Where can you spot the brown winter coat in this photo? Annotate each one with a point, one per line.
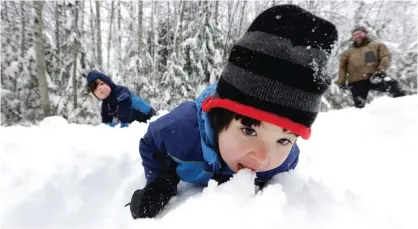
(359, 63)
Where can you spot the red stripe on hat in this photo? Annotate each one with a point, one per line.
(257, 114)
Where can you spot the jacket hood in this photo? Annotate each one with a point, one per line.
(206, 132)
(94, 75)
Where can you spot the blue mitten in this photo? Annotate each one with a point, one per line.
(123, 125)
(112, 124)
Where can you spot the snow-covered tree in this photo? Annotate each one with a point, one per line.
(166, 52)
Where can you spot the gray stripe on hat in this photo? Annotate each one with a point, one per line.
(270, 90)
(283, 48)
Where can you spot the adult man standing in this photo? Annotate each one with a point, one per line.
(363, 68)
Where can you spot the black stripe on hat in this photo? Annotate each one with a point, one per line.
(225, 90)
(270, 90)
(283, 70)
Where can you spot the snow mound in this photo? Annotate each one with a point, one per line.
(357, 171)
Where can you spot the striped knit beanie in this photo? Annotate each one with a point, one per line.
(276, 71)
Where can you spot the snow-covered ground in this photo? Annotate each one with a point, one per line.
(359, 170)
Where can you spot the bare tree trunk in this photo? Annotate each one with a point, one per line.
(23, 29)
(358, 13)
(110, 34)
(99, 36)
(131, 13)
(140, 6)
(81, 36)
(93, 33)
(242, 15)
(40, 59)
(216, 11)
(404, 23)
(119, 45)
(231, 15)
(167, 37)
(153, 39)
(180, 32)
(4, 15)
(179, 28)
(82, 17)
(76, 50)
(310, 5)
(57, 32)
(139, 41)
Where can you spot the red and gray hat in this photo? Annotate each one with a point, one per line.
(276, 71)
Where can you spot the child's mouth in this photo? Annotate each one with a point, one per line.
(241, 166)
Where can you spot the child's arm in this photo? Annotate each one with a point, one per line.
(125, 106)
(155, 158)
(160, 172)
(106, 118)
(141, 105)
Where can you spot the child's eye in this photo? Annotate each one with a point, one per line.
(284, 141)
(249, 131)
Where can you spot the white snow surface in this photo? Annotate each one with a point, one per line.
(358, 170)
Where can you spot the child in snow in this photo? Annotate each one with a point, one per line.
(267, 96)
(119, 104)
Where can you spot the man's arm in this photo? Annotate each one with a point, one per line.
(342, 74)
(383, 56)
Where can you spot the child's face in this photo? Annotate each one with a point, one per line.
(259, 148)
(102, 90)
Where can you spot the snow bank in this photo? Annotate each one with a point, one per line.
(357, 171)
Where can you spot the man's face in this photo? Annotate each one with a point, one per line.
(259, 148)
(102, 90)
(358, 35)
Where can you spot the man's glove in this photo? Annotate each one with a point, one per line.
(112, 124)
(148, 202)
(343, 86)
(379, 77)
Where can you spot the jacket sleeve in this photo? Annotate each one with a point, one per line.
(140, 104)
(106, 118)
(155, 159)
(125, 106)
(342, 74)
(384, 57)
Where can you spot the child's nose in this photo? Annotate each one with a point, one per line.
(260, 153)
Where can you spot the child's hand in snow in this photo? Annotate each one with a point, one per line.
(148, 202)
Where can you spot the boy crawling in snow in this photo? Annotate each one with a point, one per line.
(119, 104)
(267, 96)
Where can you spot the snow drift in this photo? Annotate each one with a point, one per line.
(357, 171)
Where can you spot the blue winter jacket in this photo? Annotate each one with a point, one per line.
(121, 103)
(182, 141)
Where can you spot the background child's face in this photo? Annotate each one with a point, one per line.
(102, 90)
(259, 148)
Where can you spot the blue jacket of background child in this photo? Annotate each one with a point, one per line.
(121, 103)
(183, 141)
